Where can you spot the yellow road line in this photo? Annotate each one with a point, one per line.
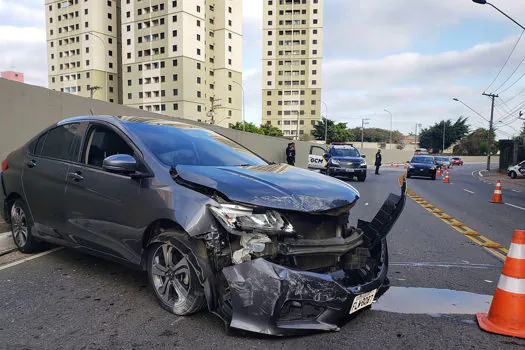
(490, 246)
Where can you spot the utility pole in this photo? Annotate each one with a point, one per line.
(444, 124)
(386, 110)
(491, 122)
(364, 122)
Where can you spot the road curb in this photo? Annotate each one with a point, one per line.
(6, 243)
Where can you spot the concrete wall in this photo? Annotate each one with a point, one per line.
(25, 110)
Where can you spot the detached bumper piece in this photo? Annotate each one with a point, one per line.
(264, 297)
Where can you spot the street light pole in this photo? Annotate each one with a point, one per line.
(326, 123)
(484, 2)
(364, 122)
(491, 128)
(243, 109)
(386, 110)
(107, 61)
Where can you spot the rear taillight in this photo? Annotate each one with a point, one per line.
(4, 165)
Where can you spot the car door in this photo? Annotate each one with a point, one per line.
(104, 207)
(521, 169)
(44, 177)
(316, 159)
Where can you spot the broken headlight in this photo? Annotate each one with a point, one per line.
(238, 218)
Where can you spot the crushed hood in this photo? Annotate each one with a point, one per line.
(278, 186)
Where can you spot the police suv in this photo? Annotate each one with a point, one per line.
(516, 170)
(340, 159)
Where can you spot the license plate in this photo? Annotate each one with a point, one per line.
(421, 169)
(349, 170)
(363, 300)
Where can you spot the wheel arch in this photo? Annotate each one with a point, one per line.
(8, 202)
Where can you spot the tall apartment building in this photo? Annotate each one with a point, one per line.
(83, 50)
(292, 54)
(183, 58)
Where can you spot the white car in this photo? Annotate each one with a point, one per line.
(516, 170)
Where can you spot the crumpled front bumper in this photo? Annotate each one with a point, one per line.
(267, 298)
(272, 299)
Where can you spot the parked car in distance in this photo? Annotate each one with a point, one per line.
(424, 166)
(421, 151)
(442, 161)
(266, 247)
(517, 170)
(457, 161)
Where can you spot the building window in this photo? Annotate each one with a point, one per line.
(174, 48)
(314, 82)
(315, 21)
(175, 92)
(198, 52)
(174, 4)
(109, 15)
(230, 61)
(88, 75)
(198, 108)
(198, 37)
(230, 22)
(175, 77)
(110, 53)
(175, 106)
(110, 28)
(128, 14)
(163, 108)
(129, 82)
(198, 23)
(174, 63)
(314, 61)
(129, 95)
(129, 69)
(198, 9)
(87, 62)
(229, 48)
(198, 80)
(198, 94)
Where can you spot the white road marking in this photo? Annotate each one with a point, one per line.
(480, 174)
(488, 281)
(517, 191)
(18, 262)
(468, 191)
(515, 206)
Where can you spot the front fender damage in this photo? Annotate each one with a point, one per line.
(264, 297)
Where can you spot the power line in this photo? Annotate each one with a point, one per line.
(515, 110)
(506, 61)
(514, 83)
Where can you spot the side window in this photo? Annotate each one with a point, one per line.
(37, 149)
(103, 142)
(63, 142)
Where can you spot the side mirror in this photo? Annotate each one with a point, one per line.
(120, 163)
(363, 155)
(408, 161)
(326, 155)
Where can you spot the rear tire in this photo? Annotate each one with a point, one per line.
(361, 178)
(513, 175)
(174, 280)
(433, 177)
(21, 226)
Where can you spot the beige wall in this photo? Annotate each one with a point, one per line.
(26, 110)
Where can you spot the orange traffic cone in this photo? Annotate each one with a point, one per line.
(439, 172)
(397, 165)
(446, 180)
(496, 197)
(391, 164)
(506, 315)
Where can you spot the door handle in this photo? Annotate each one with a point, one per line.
(31, 163)
(76, 176)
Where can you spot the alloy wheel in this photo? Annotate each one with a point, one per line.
(19, 225)
(171, 275)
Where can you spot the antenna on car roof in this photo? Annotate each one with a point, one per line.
(91, 111)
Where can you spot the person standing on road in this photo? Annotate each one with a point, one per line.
(378, 161)
(290, 154)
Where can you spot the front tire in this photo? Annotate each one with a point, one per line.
(361, 178)
(434, 177)
(513, 175)
(174, 280)
(21, 226)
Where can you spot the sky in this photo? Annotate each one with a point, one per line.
(410, 57)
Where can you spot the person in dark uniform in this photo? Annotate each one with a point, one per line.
(290, 154)
(378, 161)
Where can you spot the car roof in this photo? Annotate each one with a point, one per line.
(121, 120)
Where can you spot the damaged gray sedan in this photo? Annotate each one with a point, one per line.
(266, 247)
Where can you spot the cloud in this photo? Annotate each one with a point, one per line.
(22, 12)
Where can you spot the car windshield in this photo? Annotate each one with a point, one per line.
(345, 152)
(426, 160)
(180, 144)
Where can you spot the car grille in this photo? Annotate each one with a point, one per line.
(349, 164)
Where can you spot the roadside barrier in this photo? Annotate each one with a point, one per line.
(506, 314)
(447, 179)
(497, 197)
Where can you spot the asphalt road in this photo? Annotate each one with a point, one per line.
(467, 199)
(67, 300)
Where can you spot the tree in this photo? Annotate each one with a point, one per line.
(476, 144)
(432, 137)
(336, 132)
(270, 130)
(378, 135)
(249, 127)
